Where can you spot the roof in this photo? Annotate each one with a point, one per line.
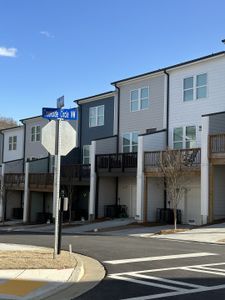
(10, 128)
(171, 67)
(22, 120)
(94, 97)
(213, 114)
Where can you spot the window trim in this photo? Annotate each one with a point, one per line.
(84, 156)
(195, 87)
(184, 128)
(96, 115)
(12, 145)
(139, 99)
(130, 140)
(35, 134)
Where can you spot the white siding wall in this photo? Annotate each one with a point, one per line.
(155, 197)
(13, 201)
(127, 194)
(143, 119)
(219, 192)
(34, 149)
(9, 155)
(189, 113)
(155, 142)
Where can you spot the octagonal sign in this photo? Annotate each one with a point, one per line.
(68, 137)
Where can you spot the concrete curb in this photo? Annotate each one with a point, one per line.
(88, 273)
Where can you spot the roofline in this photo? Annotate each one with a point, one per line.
(154, 132)
(22, 120)
(14, 127)
(170, 67)
(213, 114)
(93, 96)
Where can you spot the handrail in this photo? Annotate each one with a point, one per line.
(217, 143)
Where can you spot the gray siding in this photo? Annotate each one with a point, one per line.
(91, 133)
(39, 166)
(1, 147)
(143, 119)
(14, 166)
(155, 142)
(106, 146)
(217, 124)
(219, 188)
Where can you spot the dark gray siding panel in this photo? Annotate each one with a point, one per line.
(89, 134)
(217, 124)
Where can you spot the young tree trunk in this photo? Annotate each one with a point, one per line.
(175, 218)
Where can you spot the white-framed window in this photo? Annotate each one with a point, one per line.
(184, 137)
(35, 133)
(130, 142)
(12, 142)
(86, 154)
(139, 99)
(96, 116)
(195, 87)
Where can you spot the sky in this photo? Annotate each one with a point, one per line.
(76, 48)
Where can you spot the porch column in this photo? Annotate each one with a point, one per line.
(26, 194)
(140, 181)
(204, 170)
(2, 193)
(91, 208)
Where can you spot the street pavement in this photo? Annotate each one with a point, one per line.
(141, 268)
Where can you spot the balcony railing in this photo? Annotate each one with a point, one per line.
(120, 161)
(14, 179)
(217, 143)
(41, 179)
(188, 158)
(77, 171)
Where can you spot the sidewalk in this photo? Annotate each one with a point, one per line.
(207, 234)
(49, 284)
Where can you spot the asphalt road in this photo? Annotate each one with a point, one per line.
(139, 268)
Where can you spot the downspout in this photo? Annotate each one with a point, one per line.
(167, 128)
(117, 143)
(24, 144)
(80, 128)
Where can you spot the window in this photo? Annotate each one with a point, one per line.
(35, 133)
(184, 137)
(130, 142)
(139, 99)
(195, 87)
(96, 116)
(178, 138)
(86, 154)
(12, 142)
(190, 138)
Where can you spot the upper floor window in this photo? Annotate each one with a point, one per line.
(96, 116)
(86, 154)
(184, 137)
(139, 99)
(130, 142)
(35, 133)
(195, 87)
(12, 142)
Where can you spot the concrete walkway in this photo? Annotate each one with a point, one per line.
(208, 234)
(49, 284)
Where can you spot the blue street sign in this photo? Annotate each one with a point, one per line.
(57, 113)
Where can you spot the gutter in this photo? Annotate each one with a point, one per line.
(167, 106)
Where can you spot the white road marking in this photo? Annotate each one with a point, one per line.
(168, 281)
(203, 271)
(158, 285)
(212, 269)
(154, 258)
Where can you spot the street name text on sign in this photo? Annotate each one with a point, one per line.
(59, 113)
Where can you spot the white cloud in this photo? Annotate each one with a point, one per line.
(8, 52)
(47, 34)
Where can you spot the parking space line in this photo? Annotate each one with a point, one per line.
(155, 258)
(202, 271)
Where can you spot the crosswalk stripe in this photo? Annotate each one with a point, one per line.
(154, 258)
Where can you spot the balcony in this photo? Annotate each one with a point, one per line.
(190, 160)
(116, 163)
(74, 174)
(14, 181)
(217, 146)
(41, 182)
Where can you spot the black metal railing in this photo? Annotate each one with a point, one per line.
(76, 171)
(41, 179)
(116, 161)
(188, 157)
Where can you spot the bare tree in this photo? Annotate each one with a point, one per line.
(171, 164)
(7, 122)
